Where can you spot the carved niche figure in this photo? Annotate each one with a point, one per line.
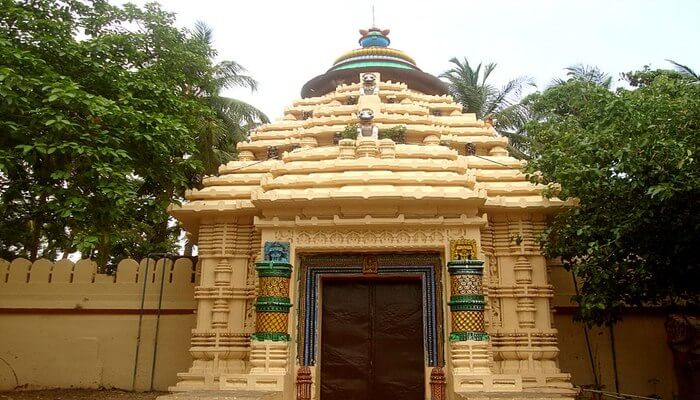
(369, 85)
(462, 249)
(276, 251)
(366, 129)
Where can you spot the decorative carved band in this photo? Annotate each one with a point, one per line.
(367, 238)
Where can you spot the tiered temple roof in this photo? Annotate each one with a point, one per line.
(449, 159)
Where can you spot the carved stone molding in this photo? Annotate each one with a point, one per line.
(365, 238)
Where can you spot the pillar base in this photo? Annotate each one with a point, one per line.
(470, 357)
(230, 383)
(268, 383)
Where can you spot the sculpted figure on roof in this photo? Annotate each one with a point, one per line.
(369, 85)
(366, 128)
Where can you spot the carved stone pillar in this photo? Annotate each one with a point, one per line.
(272, 307)
(471, 357)
(270, 341)
(467, 300)
(523, 340)
(220, 343)
(468, 339)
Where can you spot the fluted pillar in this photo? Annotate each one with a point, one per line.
(220, 343)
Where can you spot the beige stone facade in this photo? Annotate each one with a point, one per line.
(451, 179)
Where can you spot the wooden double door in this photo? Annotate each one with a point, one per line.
(372, 340)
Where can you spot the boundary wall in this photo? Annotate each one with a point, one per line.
(64, 325)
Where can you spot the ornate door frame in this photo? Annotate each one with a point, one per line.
(425, 266)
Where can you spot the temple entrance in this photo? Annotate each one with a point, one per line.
(372, 344)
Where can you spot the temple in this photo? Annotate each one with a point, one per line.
(376, 242)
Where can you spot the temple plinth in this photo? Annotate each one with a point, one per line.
(375, 239)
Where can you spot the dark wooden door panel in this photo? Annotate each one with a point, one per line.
(398, 341)
(345, 330)
(372, 340)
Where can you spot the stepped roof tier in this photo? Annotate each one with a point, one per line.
(300, 166)
(374, 55)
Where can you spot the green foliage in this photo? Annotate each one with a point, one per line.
(469, 87)
(631, 158)
(349, 132)
(395, 133)
(103, 112)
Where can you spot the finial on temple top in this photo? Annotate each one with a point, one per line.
(374, 37)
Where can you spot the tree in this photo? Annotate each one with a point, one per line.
(101, 112)
(631, 158)
(469, 87)
(587, 73)
(217, 144)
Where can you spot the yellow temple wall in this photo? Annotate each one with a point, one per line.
(63, 325)
(80, 330)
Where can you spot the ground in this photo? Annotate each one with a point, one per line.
(77, 394)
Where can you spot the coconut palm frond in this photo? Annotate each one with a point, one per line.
(231, 74)
(469, 87)
(237, 112)
(488, 69)
(217, 137)
(203, 32)
(589, 73)
(685, 70)
(508, 95)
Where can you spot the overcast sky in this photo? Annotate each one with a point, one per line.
(286, 43)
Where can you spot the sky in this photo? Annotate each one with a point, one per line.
(283, 44)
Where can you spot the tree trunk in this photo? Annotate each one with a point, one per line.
(37, 225)
(189, 248)
(102, 252)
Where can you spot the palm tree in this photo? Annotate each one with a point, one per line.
(217, 137)
(469, 87)
(685, 70)
(235, 118)
(586, 73)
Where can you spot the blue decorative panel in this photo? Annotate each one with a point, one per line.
(276, 251)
